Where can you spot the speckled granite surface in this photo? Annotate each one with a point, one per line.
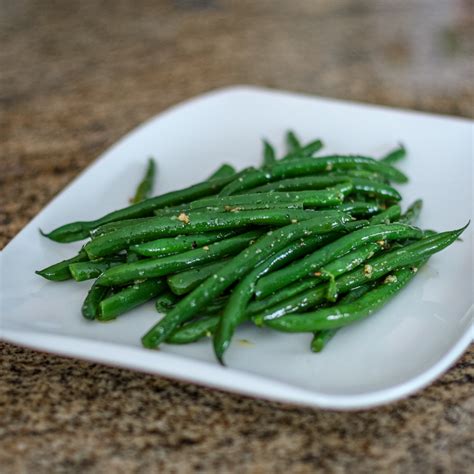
(74, 77)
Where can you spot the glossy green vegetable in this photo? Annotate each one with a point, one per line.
(191, 223)
(111, 226)
(412, 213)
(304, 166)
(165, 302)
(308, 150)
(81, 229)
(194, 330)
(90, 307)
(180, 243)
(157, 267)
(341, 315)
(268, 154)
(82, 271)
(224, 171)
(311, 293)
(319, 198)
(395, 155)
(359, 209)
(322, 337)
(145, 188)
(391, 214)
(60, 271)
(239, 266)
(184, 282)
(340, 247)
(292, 141)
(129, 298)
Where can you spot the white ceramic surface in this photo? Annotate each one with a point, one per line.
(388, 356)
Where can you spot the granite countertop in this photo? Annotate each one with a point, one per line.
(75, 77)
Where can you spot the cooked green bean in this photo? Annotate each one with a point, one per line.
(181, 243)
(268, 154)
(81, 229)
(359, 209)
(191, 223)
(412, 213)
(304, 166)
(145, 188)
(60, 271)
(235, 310)
(157, 267)
(308, 150)
(395, 155)
(194, 330)
(292, 141)
(224, 171)
(391, 214)
(184, 282)
(341, 315)
(129, 298)
(239, 266)
(373, 270)
(111, 226)
(165, 302)
(322, 337)
(340, 247)
(82, 271)
(90, 307)
(326, 197)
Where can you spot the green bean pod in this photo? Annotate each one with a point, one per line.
(268, 154)
(60, 271)
(194, 330)
(340, 315)
(90, 306)
(184, 282)
(304, 166)
(238, 267)
(181, 243)
(373, 270)
(165, 302)
(82, 271)
(191, 223)
(224, 171)
(145, 188)
(82, 229)
(395, 155)
(412, 213)
(129, 298)
(340, 247)
(292, 141)
(157, 267)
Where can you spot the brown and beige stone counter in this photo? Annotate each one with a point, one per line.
(74, 77)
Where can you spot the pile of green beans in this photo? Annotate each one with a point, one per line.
(301, 243)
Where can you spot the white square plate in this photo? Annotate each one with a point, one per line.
(390, 355)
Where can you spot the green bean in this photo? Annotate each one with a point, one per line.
(224, 171)
(165, 302)
(194, 330)
(308, 150)
(145, 188)
(340, 247)
(184, 282)
(327, 197)
(302, 183)
(191, 223)
(322, 337)
(129, 298)
(252, 178)
(235, 310)
(81, 229)
(292, 141)
(375, 269)
(157, 267)
(111, 226)
(239, 266)
(341, 315)
(180, 243)
(389, 215)
(90, 307)
(395, 155)
(60, 271)
(82, 271)
(412, 213)
(359, 209)
(268, 154)
(360, 173)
